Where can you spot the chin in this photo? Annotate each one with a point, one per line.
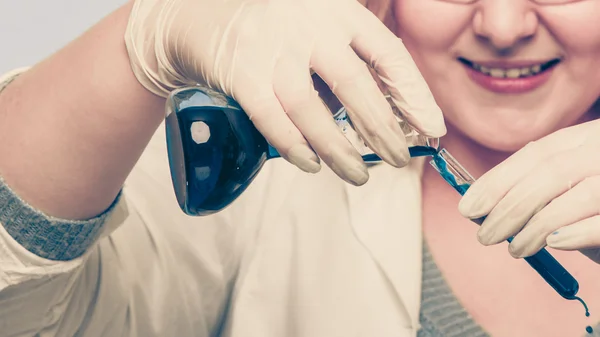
(494, 137)
(501, 144)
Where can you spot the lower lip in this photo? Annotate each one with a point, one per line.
(510, 85)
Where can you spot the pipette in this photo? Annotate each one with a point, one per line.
(543, 262)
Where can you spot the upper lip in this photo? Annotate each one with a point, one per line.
(503, 64)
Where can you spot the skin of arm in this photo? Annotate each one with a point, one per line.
(73, 126)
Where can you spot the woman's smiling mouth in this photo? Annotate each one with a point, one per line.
(509, 77)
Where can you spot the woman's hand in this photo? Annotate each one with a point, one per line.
(262, 53)
(548, 193)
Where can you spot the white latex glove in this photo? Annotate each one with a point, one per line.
(548, 193)
(261, 54)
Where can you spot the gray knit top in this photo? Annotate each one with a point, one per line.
(441, 313)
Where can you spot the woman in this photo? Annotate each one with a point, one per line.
(300, 254)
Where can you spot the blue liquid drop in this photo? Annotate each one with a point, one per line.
(589, 329)
(587, 311)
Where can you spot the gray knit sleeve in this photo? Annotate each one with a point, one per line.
(43, 235)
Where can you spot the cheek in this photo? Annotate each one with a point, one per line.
(577, 29)
(575, 26)
(430, 29)
(430, 25)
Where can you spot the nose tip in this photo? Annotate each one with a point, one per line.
(504, 24)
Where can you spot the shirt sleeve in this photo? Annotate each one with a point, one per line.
(141, 269)
(42, 235)
(46, 264)
(46, 236)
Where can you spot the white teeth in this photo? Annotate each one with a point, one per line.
(508, 73)
(513, 73)
(497, 73)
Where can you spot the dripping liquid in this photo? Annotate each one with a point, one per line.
(588, 328)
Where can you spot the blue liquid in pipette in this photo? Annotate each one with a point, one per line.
(414, 151)
(540, 261)
(448, 176)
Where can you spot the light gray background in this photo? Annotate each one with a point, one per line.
(30, 30)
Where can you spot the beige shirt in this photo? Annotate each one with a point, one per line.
(298, 255)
